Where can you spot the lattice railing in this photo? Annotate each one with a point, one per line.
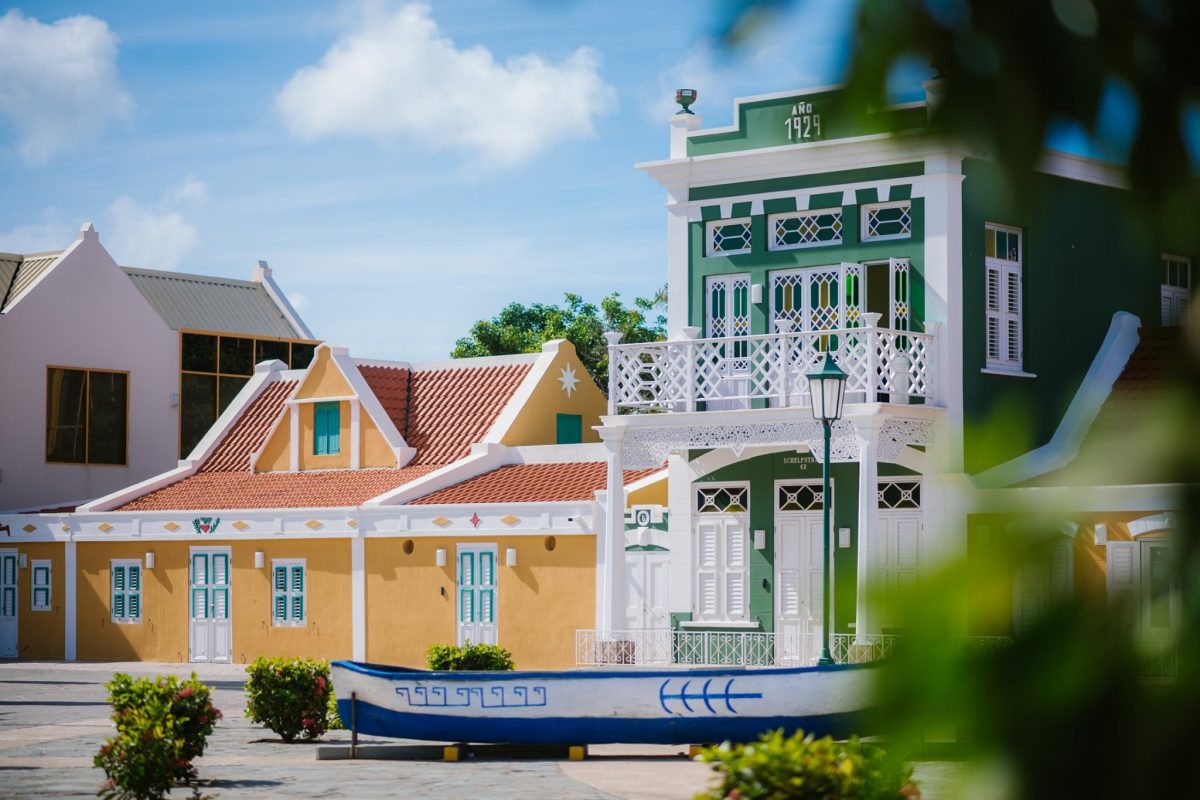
(684, 648)
(883, 365)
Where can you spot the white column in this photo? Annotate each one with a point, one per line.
(679, 533)
(612, 612)
(942, 190)
(677, 231)
(69, 611)
(867, 432)
(358, 597)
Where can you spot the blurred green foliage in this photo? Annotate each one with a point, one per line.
(469, 657)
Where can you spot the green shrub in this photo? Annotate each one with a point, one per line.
(289, 696)
(804, 768)
(470, 657)
(162, 724)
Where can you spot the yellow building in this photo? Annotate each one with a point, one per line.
(353, 509)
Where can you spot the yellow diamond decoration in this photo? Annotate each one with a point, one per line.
(314, 524)
(171, 526)
(353, 523)
(241, 526)
(441, 522)
(30, 528)
(510, 519)
(105, 527)
(66, 528)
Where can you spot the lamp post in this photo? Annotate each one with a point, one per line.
(827, 386)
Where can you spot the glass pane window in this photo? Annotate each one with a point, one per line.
(1003, 325)
(722, 499)
(288, 600)
(267, 350)
(728, 237)
(805, 229)
(87, 416)
(1002, 243)
(1177, 272)
(237, 356)
(229, 388)
(302, 354)
(197, 409)
(887, 221)
(199, 353)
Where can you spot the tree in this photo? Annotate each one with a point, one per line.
(520, 328)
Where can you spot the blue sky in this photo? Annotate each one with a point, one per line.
(405, 169)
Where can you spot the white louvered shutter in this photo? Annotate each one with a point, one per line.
(1123, 568)
(1012, 316)
(737, 571)
(280, 603)
(1061, 570)
(297, 593)
(993, 313)
(1027, 595)
(788, 582)
(707, 566)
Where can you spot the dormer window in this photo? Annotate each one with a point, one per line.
(327, 427)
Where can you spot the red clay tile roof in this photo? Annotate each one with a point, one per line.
(238, 490)
(442, 412)
(531, 483)
(390, 385)
(232, 454)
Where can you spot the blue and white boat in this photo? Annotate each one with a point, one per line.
(679, 706)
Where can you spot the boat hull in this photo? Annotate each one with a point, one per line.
(594, 706)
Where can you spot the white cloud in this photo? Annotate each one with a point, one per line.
(51, 233)
(58, 82)
(394, 76)
(158, 236)
(299, 301)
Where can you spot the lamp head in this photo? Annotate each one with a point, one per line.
(685, 97)
(827, 386)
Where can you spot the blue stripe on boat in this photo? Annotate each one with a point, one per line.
(377, 721)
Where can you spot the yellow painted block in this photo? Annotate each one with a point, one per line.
(694, 750)
(240, 525)
(29, 528)
(174, 526)
(104, 526)
(450, 753)
(577, 752)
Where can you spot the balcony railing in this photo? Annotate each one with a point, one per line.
(883, 364)
(683, 648)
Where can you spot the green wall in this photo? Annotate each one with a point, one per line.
(761, 261)
(762, 472)
(1084, 258)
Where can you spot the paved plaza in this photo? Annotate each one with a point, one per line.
(54, 716)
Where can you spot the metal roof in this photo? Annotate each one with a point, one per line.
(17, 273)
(202, 302)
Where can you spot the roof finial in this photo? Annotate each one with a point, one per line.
(685, 97)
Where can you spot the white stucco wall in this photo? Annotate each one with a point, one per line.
(83, 313)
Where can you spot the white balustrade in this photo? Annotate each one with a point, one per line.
(883, 364)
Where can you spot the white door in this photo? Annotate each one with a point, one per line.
(477, 594)
(646, 572)
(8, 603)
(899, 560)
(727, 316)
(799, 587)
(211, 629)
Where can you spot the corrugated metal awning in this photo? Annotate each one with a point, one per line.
(201, 302)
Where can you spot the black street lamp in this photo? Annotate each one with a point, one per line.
(827, 387)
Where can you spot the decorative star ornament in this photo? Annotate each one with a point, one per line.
(568, 380)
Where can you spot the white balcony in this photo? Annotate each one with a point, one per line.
(884, 365)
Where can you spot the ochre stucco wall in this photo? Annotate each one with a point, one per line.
(654, 494)
(326, 633)
(40, 633)
(540, 602)
(375, 450)
(162, 635)
(537, 420)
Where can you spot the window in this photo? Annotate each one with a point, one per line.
(805, 229)
(40, 601)
(568, 429)
(887, 221)
(1002, 260)
(126, 591)
(729, 237)
(214, 370)
(87, 415)
(722, 554)
(327, 428)
(287, 587)
(1176, 289)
